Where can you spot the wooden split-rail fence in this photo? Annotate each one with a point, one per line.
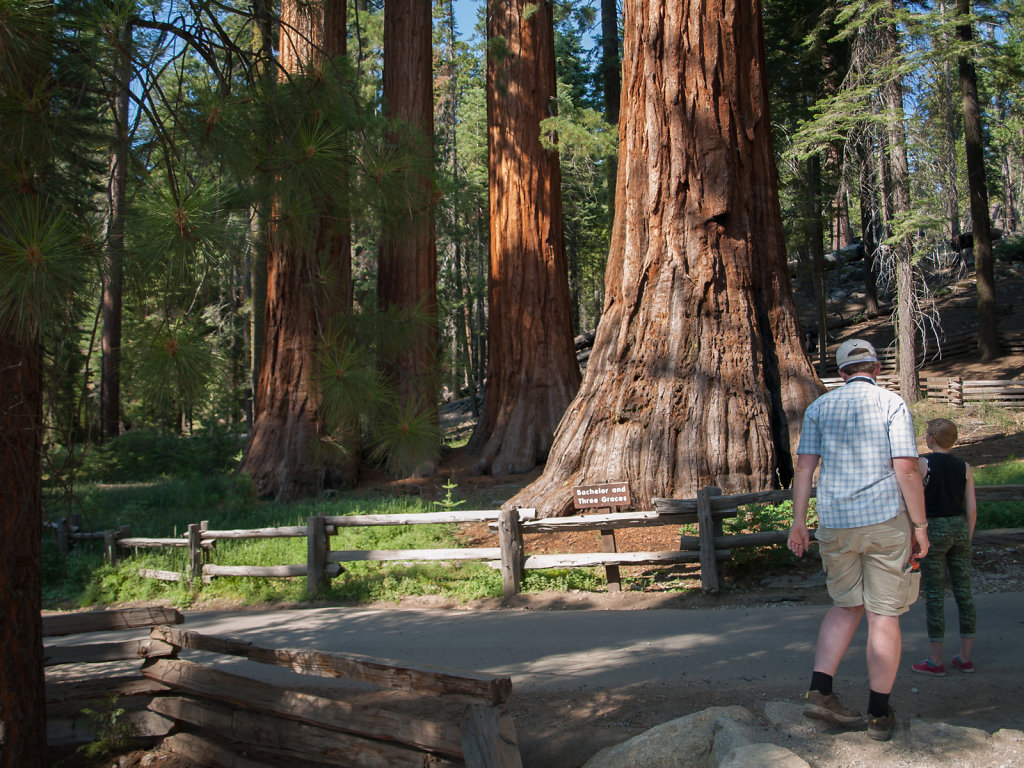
(707, 511)
(192, 706)
(946, 347)
(957, 392)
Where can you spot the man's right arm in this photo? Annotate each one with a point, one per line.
(908, 475)
(803, 478)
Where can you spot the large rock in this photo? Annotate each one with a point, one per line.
(762, 756)
(1008, 737)
(731, 737)
(944, 737)
(728, 735)
(682, 743)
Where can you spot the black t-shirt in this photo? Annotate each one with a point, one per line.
(945, 485)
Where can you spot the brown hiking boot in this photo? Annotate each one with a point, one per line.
(829, 708)
(880, 728)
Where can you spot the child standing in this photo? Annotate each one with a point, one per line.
(952, 513)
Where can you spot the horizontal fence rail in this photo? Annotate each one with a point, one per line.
(708, 512)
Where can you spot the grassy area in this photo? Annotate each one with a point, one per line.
(165, 508)
(179, 481)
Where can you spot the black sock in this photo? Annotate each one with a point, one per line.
(878, 704)
(821, 682)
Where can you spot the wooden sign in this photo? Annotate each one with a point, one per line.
(606, 495)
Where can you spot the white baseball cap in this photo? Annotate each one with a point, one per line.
(855, 351)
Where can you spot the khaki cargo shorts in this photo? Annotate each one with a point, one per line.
(870, 566)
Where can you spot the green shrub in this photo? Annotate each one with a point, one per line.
(111, 728)
(1009, 249)
(144, 455)
(755, 518)
(565, 580)
(1009, 472)
(1000, 514)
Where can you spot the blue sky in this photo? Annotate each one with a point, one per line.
(465, 16)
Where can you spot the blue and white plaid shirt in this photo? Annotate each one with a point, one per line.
(857, 430)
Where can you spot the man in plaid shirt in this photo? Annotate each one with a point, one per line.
(872, 528)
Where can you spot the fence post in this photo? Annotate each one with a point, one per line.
(706, 529)
(316, 555)
(489, 738)
(195, 551)
(110, 546)
(510, 536)
(611, 572)
(955, 389)
(63, 536)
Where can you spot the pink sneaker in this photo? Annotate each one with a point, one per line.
(963, 666)
(927, 668)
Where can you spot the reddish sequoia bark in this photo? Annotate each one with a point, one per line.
(407, 272)
(697, 375)
(22, 701)
(532, 371)
(285, 455)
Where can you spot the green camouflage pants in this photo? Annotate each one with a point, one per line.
(950, 548)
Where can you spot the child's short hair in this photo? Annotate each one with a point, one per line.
(943, 432)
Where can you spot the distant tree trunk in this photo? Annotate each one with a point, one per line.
(256, 293)
(113, 261)
(899, 194)
(974, 142)
(284, 455)
(868, 218)
(842, 233)
(611, 79)
(259, 224)
(1011, 178)
(22, 700)
(407, 273)
(336, 246)
(1010, 164)
(949, 194)
(815, 247)
(463, 339)
(697, 375)
(532, 373)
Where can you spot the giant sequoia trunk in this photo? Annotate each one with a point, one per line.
(22, 702)
(697, 376)
(407, 271)
(285, 455)
(532, 372)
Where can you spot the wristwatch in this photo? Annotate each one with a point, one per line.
(919, 525)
